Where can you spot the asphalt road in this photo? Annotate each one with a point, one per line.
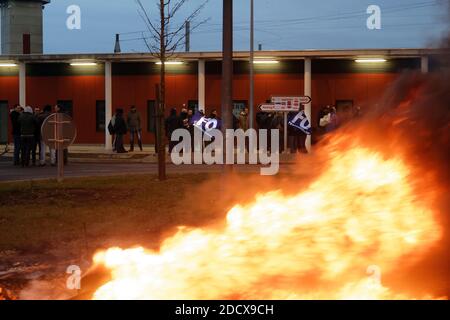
(8, 172)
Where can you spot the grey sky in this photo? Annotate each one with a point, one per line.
(279, 24)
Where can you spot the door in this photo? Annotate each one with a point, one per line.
(4, 114)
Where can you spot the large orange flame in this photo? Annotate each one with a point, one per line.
(360, 214)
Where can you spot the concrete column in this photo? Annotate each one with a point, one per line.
(108, 104)
(308, 93)
(424, 64)
(22, 84)
(201, 85)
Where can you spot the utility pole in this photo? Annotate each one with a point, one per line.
(188, 36)
(252, 53)
(227, 71)
(117, 45)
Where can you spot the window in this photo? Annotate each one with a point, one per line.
(193, 105)
(4, 115)
(344, 109)
(344, 106)
(238, 106)
(100, 115)
(67, 106)
(151, 116)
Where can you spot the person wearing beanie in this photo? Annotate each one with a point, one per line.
(28, 124)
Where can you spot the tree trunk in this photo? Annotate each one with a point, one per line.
(162, 99)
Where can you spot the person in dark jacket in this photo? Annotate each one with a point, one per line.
(278, 123)
(243, 120)
(14, 115)
(184, 114)
(28, 124)
(172, 123)
(134, 125)
(213, 114)
(297, 138)
(40, 120)
(120, 129)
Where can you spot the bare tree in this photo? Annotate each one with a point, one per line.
(163, 42)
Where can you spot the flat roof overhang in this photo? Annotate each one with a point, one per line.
(237, 55)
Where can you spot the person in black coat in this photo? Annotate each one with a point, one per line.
(28, 124)
(172, 123)
(14, 115)
(120, 129)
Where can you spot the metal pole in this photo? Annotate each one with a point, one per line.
(308, 90)
(285, 132)
(201, 85)
(252, 54)
(188, 36)
(227, 69)
(59, 142)
(108, 104)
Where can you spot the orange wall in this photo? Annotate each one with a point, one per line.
(84, 91)
(326, 88)
(266, 85)
(137, 90)
(9, 91)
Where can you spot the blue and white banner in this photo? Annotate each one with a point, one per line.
(299, 121)
(205, 124)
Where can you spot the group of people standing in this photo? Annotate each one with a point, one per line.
(26, 130)
(330, 118)
(119, 126)
(275, 120)
(184, 121)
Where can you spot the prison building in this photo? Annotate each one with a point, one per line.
(91, 86)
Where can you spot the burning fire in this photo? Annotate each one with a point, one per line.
(359, 215)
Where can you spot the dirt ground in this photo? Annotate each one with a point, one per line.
(46, 227)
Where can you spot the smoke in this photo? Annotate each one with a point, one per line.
(411, 120)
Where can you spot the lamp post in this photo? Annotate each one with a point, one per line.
(252, 52)
(227, 70)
